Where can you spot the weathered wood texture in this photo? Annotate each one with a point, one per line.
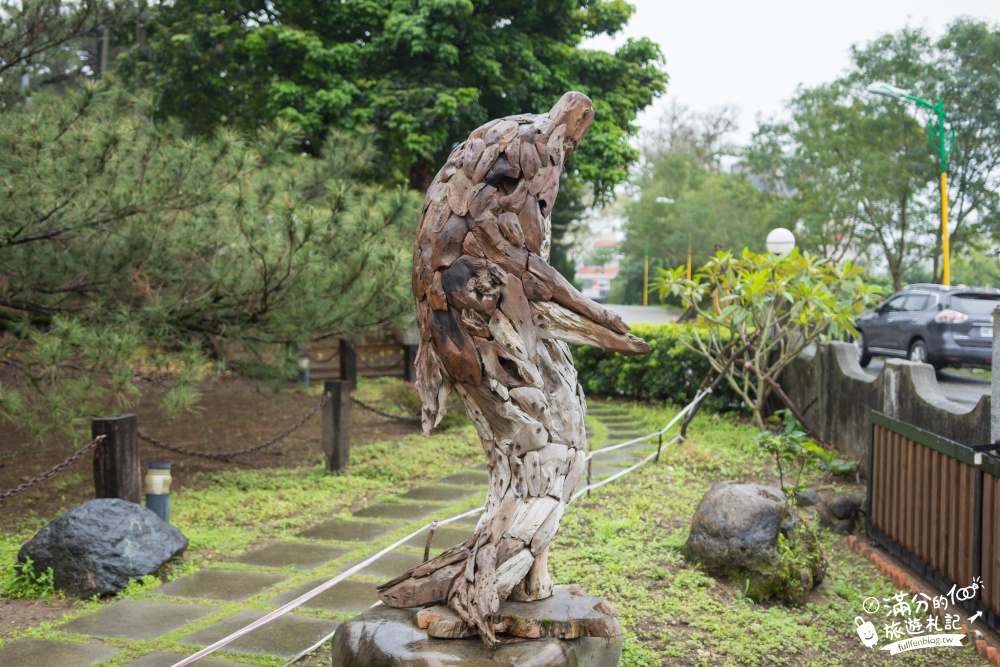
(569, 613)
(494, 319)
(337, 425)
(117, 471)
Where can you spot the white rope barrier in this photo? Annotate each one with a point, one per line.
(305, 597)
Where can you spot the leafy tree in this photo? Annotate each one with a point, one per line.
(46, 43)
(423, 72)
(706, 208)
(976, 266)
(772, 308)
(127, 251)
(864, 176)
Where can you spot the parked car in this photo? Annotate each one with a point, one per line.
(932, 324)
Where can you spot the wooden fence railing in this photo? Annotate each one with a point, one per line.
(935, 504)
(368, 358)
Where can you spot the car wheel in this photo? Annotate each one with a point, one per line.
(918, 352)
(864, 357)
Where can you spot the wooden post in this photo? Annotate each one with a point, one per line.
(348, 362)
(337, 424)
(117, 471)
(410, 363)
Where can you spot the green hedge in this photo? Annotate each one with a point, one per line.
(670, 371)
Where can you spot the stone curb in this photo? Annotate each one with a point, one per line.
(904, 582)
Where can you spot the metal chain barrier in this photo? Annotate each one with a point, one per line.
(249, 450)
(378, 369)
(390, 415)
(383, 413)
(73, 458)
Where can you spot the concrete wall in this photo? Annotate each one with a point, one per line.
(837, 396)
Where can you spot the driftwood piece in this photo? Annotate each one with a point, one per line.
(493, 317)
(569, 613)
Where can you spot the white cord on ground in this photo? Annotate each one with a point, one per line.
(617, 474)
(680, 415)
(305, 597)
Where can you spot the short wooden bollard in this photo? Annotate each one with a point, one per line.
(117, 472)
(348, 362)
(337, 424)
(410, 363)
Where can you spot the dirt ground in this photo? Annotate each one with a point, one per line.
(233, 414)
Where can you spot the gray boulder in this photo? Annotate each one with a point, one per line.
(98, 547)
(807, 498)
(735, 534)
(843, 513)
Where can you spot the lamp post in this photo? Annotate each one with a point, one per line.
(779, 241)
(942, 139)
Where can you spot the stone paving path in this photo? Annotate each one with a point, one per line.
(199, 609)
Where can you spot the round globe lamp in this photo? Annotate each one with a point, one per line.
(779, 241)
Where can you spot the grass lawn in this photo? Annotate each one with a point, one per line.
(622, 542)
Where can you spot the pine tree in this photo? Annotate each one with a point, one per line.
(126, 248)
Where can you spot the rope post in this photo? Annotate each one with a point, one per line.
(117, 472)
(348, 362)
(337, 424)
(410, 363)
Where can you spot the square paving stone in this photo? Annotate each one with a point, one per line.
(440, 494)
(349, 596)
(445, 537)
(137, 619)
(392, 565)
(228, 585)
(348, 531)
(39, 652)
(285, 636)
(302, 556)
(468, 478)
(161, 659)
(397, 511)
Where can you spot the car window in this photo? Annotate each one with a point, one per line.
(896, 302)
(916, 302)
(975, 304)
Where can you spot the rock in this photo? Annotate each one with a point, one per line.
(567, 614)
(842, 513)
(735, 534)
(98, 547)
(846, 505)
(384, 637)
(807, 498)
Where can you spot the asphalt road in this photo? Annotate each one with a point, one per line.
(643, 314)
(958, 388)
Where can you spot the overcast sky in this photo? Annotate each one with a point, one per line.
(754, 54)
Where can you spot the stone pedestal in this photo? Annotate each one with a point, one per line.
(563, 627)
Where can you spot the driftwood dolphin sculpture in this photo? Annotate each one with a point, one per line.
(495, 318)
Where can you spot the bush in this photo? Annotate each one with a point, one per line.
(671, 371)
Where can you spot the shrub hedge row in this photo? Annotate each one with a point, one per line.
(671, 371)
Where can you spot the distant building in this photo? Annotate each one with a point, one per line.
(595, 281)
(598, 266)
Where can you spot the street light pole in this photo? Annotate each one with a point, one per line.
(942, 139)
(645, 278)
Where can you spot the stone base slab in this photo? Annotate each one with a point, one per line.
(384, 637)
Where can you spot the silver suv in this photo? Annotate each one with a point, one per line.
(932, 324)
